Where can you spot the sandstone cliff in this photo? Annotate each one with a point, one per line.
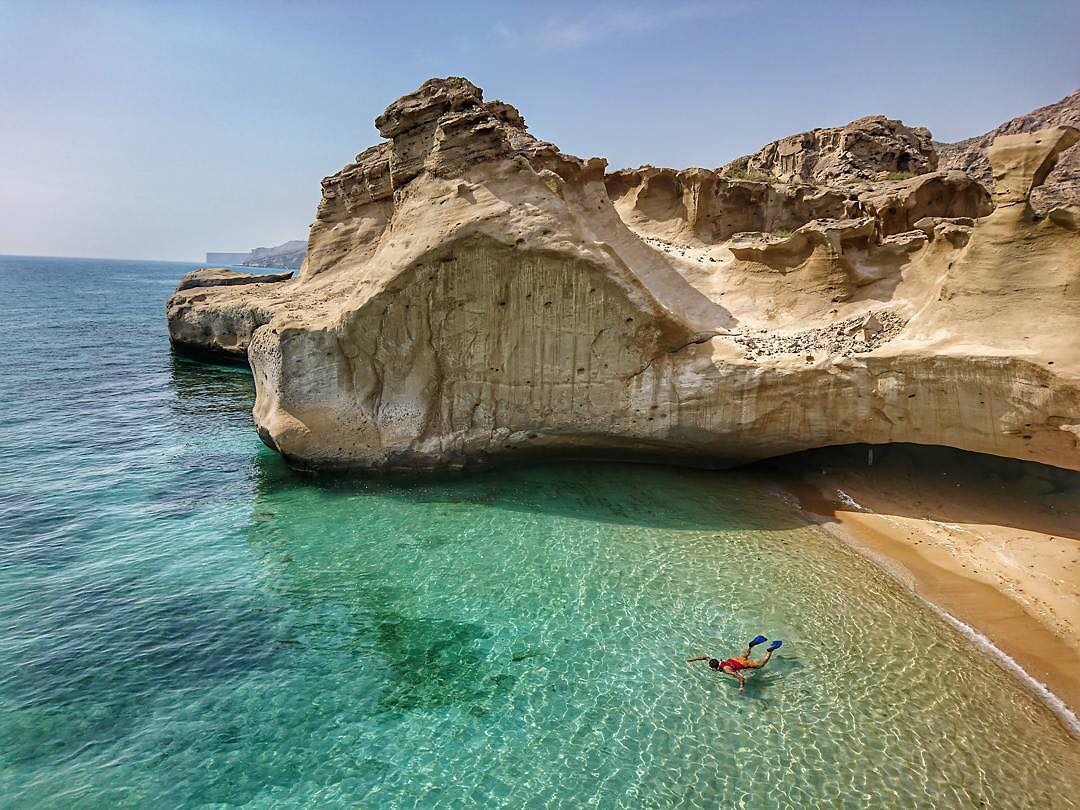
(1062, 187)
(472, 293)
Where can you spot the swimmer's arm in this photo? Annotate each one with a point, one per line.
(699, 658)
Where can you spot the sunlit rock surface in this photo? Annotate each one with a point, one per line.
(471, 294)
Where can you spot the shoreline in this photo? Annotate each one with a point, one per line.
(911, 550)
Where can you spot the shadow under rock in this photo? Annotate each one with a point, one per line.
(942, 484)
(646, 495)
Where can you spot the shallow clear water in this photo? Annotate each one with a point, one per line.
(184, 622)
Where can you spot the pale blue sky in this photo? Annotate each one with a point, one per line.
(165, 129)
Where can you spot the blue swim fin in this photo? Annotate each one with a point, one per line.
(757, 640)
(774, 646)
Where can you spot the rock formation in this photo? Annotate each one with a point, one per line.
(698, 206)
(224, 277)
(471, 293)
(866, 149)
(219, 327)
(1062, 186)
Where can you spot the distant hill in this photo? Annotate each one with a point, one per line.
(1062, 187)
(287, 256)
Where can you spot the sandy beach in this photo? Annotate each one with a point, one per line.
(994, 544)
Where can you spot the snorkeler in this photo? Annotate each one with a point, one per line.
(734, 666)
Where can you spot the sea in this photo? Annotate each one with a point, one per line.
(186, 622)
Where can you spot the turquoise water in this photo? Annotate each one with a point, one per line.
(186, 623)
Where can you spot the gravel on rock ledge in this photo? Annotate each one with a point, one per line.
(841, 339)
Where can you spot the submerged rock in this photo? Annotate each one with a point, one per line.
(473, 293)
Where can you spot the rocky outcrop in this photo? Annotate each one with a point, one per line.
(698, 206)
(224, 277)
(868, 149)
(472, 294)
(897, 206)
(219, 327)
(1022, 162)
(1062, 185)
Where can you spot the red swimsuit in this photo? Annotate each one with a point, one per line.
(731, 663)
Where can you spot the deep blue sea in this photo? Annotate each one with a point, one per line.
(184, 622)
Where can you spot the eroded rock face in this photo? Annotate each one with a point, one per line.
(864, 149)
(898, 206)
(700, 206)
(1022, 162)
(471, 293)
(1062, 185)
(219, 327)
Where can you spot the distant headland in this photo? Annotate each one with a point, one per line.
(287, 256)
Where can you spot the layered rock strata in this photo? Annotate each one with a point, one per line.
(472, 294)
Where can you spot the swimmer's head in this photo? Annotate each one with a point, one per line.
(714, 663)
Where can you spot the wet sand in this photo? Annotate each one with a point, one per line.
(994, 544)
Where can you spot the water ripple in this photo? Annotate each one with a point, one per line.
(185, 623)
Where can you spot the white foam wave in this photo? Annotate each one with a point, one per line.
(1041, 690)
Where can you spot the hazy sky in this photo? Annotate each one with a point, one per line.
(166, 129)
